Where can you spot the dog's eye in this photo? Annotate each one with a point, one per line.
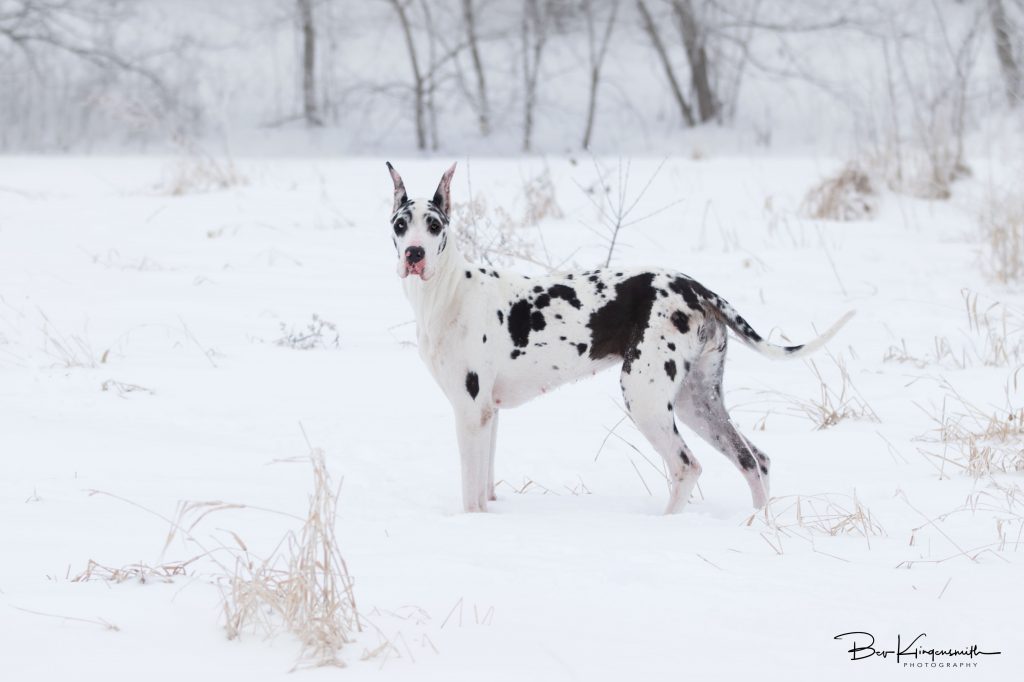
(400, 227)
(434, 227)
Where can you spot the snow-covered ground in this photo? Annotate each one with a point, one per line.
(138, 358)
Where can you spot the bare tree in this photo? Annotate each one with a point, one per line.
(693, 35)
(71, 27)
(596, 51)
(537, 19)
(1003, 33)
(307, 27)
(651, 28)
(418, 78)
(472, 36)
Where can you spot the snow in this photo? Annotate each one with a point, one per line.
(577, 576)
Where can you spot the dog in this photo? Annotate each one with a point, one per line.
(494, 339)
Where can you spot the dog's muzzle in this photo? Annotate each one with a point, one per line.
(414, 260)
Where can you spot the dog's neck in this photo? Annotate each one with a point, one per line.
(434, 299)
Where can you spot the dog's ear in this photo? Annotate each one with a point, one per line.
(400, 196)
(443, 194)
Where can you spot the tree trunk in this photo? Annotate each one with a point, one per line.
(534, 38)
(419, 89)
(597, 53)
(1004, 51)
(478, 68)
(308, 27)
(659, 48)
(693, 41)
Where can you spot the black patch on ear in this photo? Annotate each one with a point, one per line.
(681, 322)
(472, 384)
(619, 325)
(566, 293)
(670, 369)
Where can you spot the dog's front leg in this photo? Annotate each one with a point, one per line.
(473, 428)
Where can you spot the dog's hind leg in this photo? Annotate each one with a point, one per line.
(648, 392)
(699, 405)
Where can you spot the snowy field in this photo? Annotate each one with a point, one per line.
(139, 357)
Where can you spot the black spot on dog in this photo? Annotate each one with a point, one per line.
(519, 322)
(686, 365)
(558, 317)
(670, 369)
(482, 271)
(485, 338)
(581, 348)
(592, 278)
(501, 317)
(537, 321)
(683, 456)
(619, 325)
(764, 469)
(693, 292)
(537, 289)
(566, 293)
(670, 407)
(495, 275)
(543, 301)
(516, 353)
(671, 346)
(468, 274)
(472, 384)
(681, 322)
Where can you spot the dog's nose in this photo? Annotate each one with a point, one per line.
(414, 254)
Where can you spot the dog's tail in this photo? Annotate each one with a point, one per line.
(752, 339)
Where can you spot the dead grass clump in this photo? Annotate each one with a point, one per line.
(140, 572)
(824, 514)
(1002, 233)
(847, 196)
(994, 338)
(492, 237)
(975, 439)
(303, 587)
(835, 402)
(318, 333)
(198, 171)
(69, 350)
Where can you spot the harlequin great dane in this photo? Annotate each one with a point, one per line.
(495, 339)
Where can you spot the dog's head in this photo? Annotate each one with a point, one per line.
(419, 227)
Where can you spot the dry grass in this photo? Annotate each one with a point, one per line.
(994, 338)
(836, 402)
(1002, 233)
(318, 333)
(141, 572)
(68, 349)
(823, 514)
(977, 440)
(498, 237)
(303, 587)
(847, 196)
(199, 171)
